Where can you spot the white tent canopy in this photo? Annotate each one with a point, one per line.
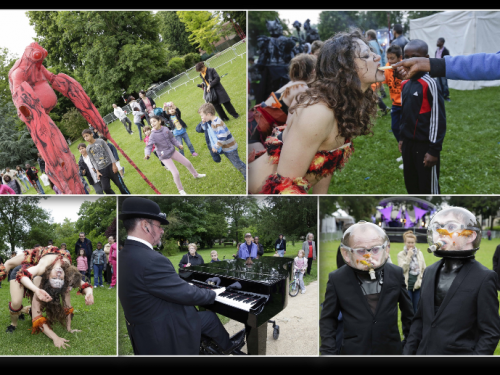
(465, 33)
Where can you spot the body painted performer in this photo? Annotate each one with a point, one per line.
(45, 275)
(34, 98)
(338, 106)
(367, 292)
(458, 309)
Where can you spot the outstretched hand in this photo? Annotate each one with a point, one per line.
(409, 67)
(59, 342)
(43, 296)
(89, 299)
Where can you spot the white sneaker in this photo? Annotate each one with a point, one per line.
(182, 192)
(303, 291)
(401, 166)
(399, 159)
(200, 175)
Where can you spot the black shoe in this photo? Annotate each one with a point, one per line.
(236, 116)
(447, 99)
(21, 317)
(237, 342)
(10, 329)
(225, 119)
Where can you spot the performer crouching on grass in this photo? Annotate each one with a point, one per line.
(46, 276)
(458, 309)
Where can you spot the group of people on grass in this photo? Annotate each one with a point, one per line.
(11, 179)
(447, 308)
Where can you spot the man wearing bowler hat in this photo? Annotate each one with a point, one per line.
(158, 305)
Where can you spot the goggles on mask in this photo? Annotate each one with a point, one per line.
(56, 283)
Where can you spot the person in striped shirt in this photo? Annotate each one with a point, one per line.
(423, 127)
(220, 138)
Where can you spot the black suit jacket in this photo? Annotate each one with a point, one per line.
(467, 322)
(214, 80)
(158, 304)
(365, 333)
(445, 53)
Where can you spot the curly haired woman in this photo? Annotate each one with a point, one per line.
(322, 122)
(48, 283)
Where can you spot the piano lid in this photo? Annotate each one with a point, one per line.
(265, 270)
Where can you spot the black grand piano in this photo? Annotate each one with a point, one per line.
(263, 293)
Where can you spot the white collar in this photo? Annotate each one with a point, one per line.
(140, 240)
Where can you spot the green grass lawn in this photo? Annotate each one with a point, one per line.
(469, 159)
(97, 323)
(222, 178)
(328, 263)
(125, 347)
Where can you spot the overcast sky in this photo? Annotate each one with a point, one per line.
(15, 30)
(300, 15)
(62, 207)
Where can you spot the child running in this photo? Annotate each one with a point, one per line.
(219, 139)
(165, 144)
(179, 128)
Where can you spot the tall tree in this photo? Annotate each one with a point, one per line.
(108, 51)
(205, 28)
(95, 217)
(333, 22)
(17, 216)
(173, 33)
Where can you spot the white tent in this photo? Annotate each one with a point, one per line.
(465, 32)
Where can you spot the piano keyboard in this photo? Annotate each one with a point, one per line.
(238, 299)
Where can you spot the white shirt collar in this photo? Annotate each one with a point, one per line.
(140, 240)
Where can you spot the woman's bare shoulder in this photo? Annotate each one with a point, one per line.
(317, 117)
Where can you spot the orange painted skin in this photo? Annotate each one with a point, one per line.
(367, 255)
(465, 232)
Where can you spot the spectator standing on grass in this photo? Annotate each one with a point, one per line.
(260, 247)
(21, 173)
(147, 105)
(1, 264)
(13, 184)
(107, 270)
(81, 263)
(399, 38)
(300, 265)
(280, 246)
(87, 169)
(41, 162)
(247, 249)
(86, 244)
(211, 81)
(98, 262)
(192, 258)
(496, 264)
(112, 260)
(440, 53)
(32, 174)
(115, 154)
(309, 247)
(14, 176)
(123, 118)
(139, 115)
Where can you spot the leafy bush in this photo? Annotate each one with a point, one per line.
(73, 123)
(191, 59)
(176, 65)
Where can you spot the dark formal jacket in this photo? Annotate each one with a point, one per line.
(159, 306)
(340, 259)
(87, 245)
(283, 245)
(467, 322)
(496, 263)
(365, 333)
(445, 53)
(194, 260)
(214, 80)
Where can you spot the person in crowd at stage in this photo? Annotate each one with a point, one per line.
(423, 127)
(211, 81)
(309, 247)
(280, 246)
(219, 139)
(337, 107)
(412, 261)
(214, 256)
(87, 169)
(139, 115)
(147, 105)
(32, 174)
(260, 247)
(192, 258)
(104, 163)
(440, 53)
(271, 114)
(473, 67)
(399, 39)
(86, 244)
(367, 291)
(248, 249)
(458, 309)
(165, 144)
(300, 265)
(123, 118)
(158, 305)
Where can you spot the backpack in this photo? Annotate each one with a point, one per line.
(158, 111)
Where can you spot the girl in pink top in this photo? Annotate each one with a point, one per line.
(81, 264)
(4, 189)
(112, 261)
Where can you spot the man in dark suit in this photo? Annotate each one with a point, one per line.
(86, 245)
(496, 264)
(440, 53)
(158, 305)
(458, 309)
(211, 81)
(367, 291)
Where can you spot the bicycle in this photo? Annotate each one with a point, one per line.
(294, 285)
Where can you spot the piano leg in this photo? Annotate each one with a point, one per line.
(256, 339)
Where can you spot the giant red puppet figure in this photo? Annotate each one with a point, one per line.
(34, 98)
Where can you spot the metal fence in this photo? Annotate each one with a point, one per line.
(330, 236)
(235, 51)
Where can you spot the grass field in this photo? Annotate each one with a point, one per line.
(469, 159)
(328, 263)
(124, 345)
(97, 323)
(222, 178)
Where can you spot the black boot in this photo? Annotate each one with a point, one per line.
(11, 329)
